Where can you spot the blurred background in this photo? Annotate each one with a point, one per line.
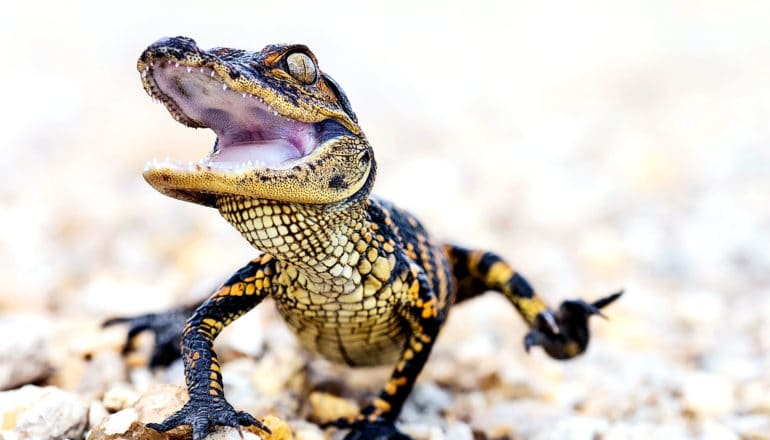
(595, 145)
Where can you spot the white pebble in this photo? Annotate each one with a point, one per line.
(708, 394)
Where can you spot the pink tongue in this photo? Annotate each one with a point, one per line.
(271, 152)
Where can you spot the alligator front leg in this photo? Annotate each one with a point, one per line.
(420, 310)
(207, 406)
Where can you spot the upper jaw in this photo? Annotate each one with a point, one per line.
(249, 131)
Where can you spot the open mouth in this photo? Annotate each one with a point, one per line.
(250, 134)
(279, 137)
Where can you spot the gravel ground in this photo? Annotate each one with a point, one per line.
(596, 147)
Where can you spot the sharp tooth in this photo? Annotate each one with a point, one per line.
(275, 113)
(212, 73)
(144, 73)
(203, 70)
(243, 94)
(224, 87)
(176, 64)
(189, 69)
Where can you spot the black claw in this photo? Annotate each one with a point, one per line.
(115, 321)
(532, 339)
(551, 321)
(246, 419)
(607, 300)
(201, 428)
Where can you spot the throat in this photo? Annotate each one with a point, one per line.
(323, 242)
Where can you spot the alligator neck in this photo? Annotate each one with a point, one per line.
(323, 242)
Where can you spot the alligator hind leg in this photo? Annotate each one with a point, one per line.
(165, 326)
(563, 334)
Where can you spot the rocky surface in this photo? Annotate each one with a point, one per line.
(33, 412)
(596, 146)
(24, 360)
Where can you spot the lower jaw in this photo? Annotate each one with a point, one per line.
(277, 153)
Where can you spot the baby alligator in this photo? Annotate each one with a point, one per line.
(358, 280)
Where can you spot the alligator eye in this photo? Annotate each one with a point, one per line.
(301, 67)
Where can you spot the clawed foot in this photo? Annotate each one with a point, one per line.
(202, 416)
(565, 334)
(167, 328)
(363, 429)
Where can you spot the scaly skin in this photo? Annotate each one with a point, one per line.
(360, 281)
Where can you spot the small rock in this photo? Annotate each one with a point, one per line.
(422, 431)
(159, 402)
(119, 397)
(246, 335)
(519, 419)
(279, 430)
(708, 394)
(104, 369)
(751, 426)
(325, 407)
(274, 371)
(122, 425)
(573, 428)
(309, 433)
(96, 413)
(228, 433)
(714, 431)
(120, 422)
(33, 412)
(430, 398)
(23, 360)
(426, 404)
(645, 431)
(755, 396)
(459, 431)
